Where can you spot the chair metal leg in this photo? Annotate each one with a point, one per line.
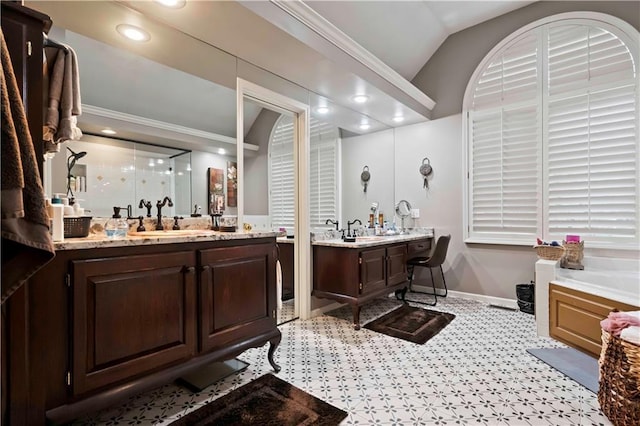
(444, 283)
(413, 291)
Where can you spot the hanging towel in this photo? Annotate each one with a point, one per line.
(279, 284)
(64, 101)
(26, 243)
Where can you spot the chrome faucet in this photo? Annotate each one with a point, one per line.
(160, 205)
(349, 227)
(334, 222)
(147, 204)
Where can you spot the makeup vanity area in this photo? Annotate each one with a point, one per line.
(372, 266)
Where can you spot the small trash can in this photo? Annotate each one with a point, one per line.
(526, 297)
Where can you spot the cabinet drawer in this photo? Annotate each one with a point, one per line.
(420, 248)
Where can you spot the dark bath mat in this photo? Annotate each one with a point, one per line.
(572, 363)
(410, 323)
(265, 401)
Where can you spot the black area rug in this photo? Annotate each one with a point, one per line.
(265, 401)
(410, 323)
(572, 363)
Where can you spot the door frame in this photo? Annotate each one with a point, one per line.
(302, 230)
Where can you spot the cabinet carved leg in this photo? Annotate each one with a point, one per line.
(356, 317)
(273, 345)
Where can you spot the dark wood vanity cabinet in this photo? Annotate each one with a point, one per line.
(382, 267)
(131, 315)
(285, 255)
(105, 324)
(356, 275)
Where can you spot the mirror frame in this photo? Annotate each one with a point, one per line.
(302, 252)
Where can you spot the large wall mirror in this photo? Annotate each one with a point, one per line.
(186, 101)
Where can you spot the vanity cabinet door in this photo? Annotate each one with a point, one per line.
(131, 315)
(237, 294)
(373, 265)
(396, 264)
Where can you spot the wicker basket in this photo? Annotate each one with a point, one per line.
(619, 393)
(550, 252)
(77, 227)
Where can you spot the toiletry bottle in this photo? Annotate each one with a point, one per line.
(56, 213)
(371, 221)
(380, 218)
(117, 227)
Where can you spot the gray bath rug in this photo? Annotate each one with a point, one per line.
(572, 363)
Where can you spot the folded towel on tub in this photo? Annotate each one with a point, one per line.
(631, 335)
(616, 322)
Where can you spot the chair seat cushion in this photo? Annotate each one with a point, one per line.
(418, 261)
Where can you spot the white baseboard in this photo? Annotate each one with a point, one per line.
(489, 300)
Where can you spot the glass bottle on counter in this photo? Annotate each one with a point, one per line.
(117, 227)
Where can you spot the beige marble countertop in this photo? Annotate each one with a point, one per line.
(158, 237)
(373, 241)
(285, 240)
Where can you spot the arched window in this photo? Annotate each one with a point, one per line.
(552, 135)
(323, 173)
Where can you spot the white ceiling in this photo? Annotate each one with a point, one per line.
(403, 34)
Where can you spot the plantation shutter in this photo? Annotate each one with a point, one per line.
(282, 185)
(554, 148)
(592, 157)
(504, 159)
(322, 173)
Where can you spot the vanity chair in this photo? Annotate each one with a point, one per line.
(435, 260)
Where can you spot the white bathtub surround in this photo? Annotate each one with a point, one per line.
(611, 278)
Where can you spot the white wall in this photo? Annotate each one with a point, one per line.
(473, 268)
(376, 151)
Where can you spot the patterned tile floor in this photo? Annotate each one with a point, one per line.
(475, 371)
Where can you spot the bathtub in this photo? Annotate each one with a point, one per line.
(615, 279)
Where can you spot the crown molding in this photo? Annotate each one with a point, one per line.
(92, 110)
(317, 23)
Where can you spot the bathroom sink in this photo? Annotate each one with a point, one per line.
(172, 233)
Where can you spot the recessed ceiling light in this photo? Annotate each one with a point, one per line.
(364, 126)
(398, 119)
(160, 161)
(108, 131)
(360, 99)
(173, 4)
(221, 151)
(133, 33)
(322, 109)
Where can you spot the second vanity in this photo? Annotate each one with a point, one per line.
(358, 272)
(118, 317)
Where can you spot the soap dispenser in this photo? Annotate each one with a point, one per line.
(117, 227)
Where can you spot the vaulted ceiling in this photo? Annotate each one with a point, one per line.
(303, 43)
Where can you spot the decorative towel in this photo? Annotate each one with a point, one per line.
(279, 284)
(616, 322)
(26, 243)
(64, 103)
(631, 335)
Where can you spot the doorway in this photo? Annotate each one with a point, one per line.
(297, 225)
